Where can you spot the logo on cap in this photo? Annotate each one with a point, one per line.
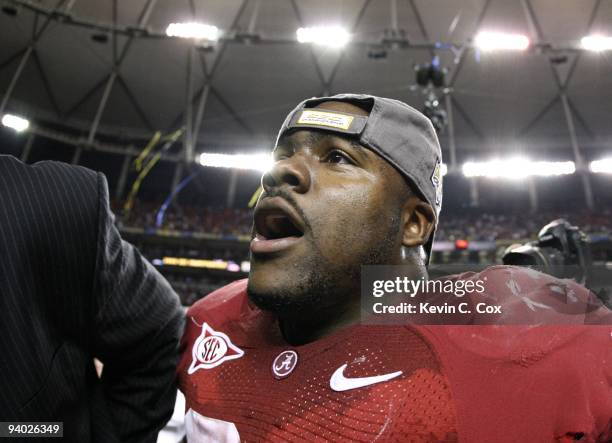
(211, 349)
(436, 180)
(284, 364)
(322, 118)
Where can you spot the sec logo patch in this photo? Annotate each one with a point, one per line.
(211, 349)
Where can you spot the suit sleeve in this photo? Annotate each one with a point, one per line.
(138, 324)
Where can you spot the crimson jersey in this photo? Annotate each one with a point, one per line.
(243, 382)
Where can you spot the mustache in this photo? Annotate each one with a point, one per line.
(289, 199)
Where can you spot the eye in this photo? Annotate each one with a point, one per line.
(280, 155)
(338, 157)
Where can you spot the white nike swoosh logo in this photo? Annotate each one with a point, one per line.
(339, 382)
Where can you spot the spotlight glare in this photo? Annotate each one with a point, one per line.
(443, 169)
(492, 41)
(331, 36)
(198, 31)
(597, 43)
(603, 166)
(259, 162)
(19, 124)
(517, 168)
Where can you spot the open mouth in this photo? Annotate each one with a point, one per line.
(278, 226)
(274, 223)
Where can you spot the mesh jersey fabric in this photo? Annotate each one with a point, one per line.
(302, 406)
(458, 383)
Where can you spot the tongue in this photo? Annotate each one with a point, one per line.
(281, 227)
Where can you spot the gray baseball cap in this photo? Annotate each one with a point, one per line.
(397, 132)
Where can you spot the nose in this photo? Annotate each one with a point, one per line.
(292, 172)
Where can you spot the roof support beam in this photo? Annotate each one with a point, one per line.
(130, 31)
(109, 84)
(465, 50)
(562, 94)
(176, 177)
(200, 113)
(27, 148)
(86, 96)
(26, 55)
(16, 75)
(561, 83)
(187, 137)
(453, 100)
(254, 16)
(589, 29)
(581, 119)
(101, 106)
(209, 76)
(76, 157)
(118, 59)
(231, 110)
(114, 39)
(452, 147)
(578, 159)
(226, 105)
(125, 167)
(313, 57)
(38, 34)
(474, 194)
(529, 126)
(533, 195)
(393, 8)
(135, 103)
(352, 30)
(142, 22)
(46, 84)
(326, 83)
(419, 19)
(231, 189)
(467, 118)
(12, 58)
(110, 148)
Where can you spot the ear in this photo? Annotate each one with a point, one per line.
(418, 220)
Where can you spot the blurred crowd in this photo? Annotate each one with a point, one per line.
(190, 288)
(471, 225)
(479, 226)
(217, 221)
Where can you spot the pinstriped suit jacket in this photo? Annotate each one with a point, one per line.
(71, 290)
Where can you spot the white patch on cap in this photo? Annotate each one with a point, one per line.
(436, 180)
(322, 118)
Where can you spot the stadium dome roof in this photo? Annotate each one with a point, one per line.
(107, 67)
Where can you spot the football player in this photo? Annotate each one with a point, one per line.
(283, 356)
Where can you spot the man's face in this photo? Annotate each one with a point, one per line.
(329, 205)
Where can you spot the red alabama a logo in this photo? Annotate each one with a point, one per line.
(211, 349)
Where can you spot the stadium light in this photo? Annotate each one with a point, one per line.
(198, 31)
(493, 41)
(443, 169)
(19, 124)
(603, 166)
(517, 168)
(259, 162)
(331, 36)
(597, 43)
